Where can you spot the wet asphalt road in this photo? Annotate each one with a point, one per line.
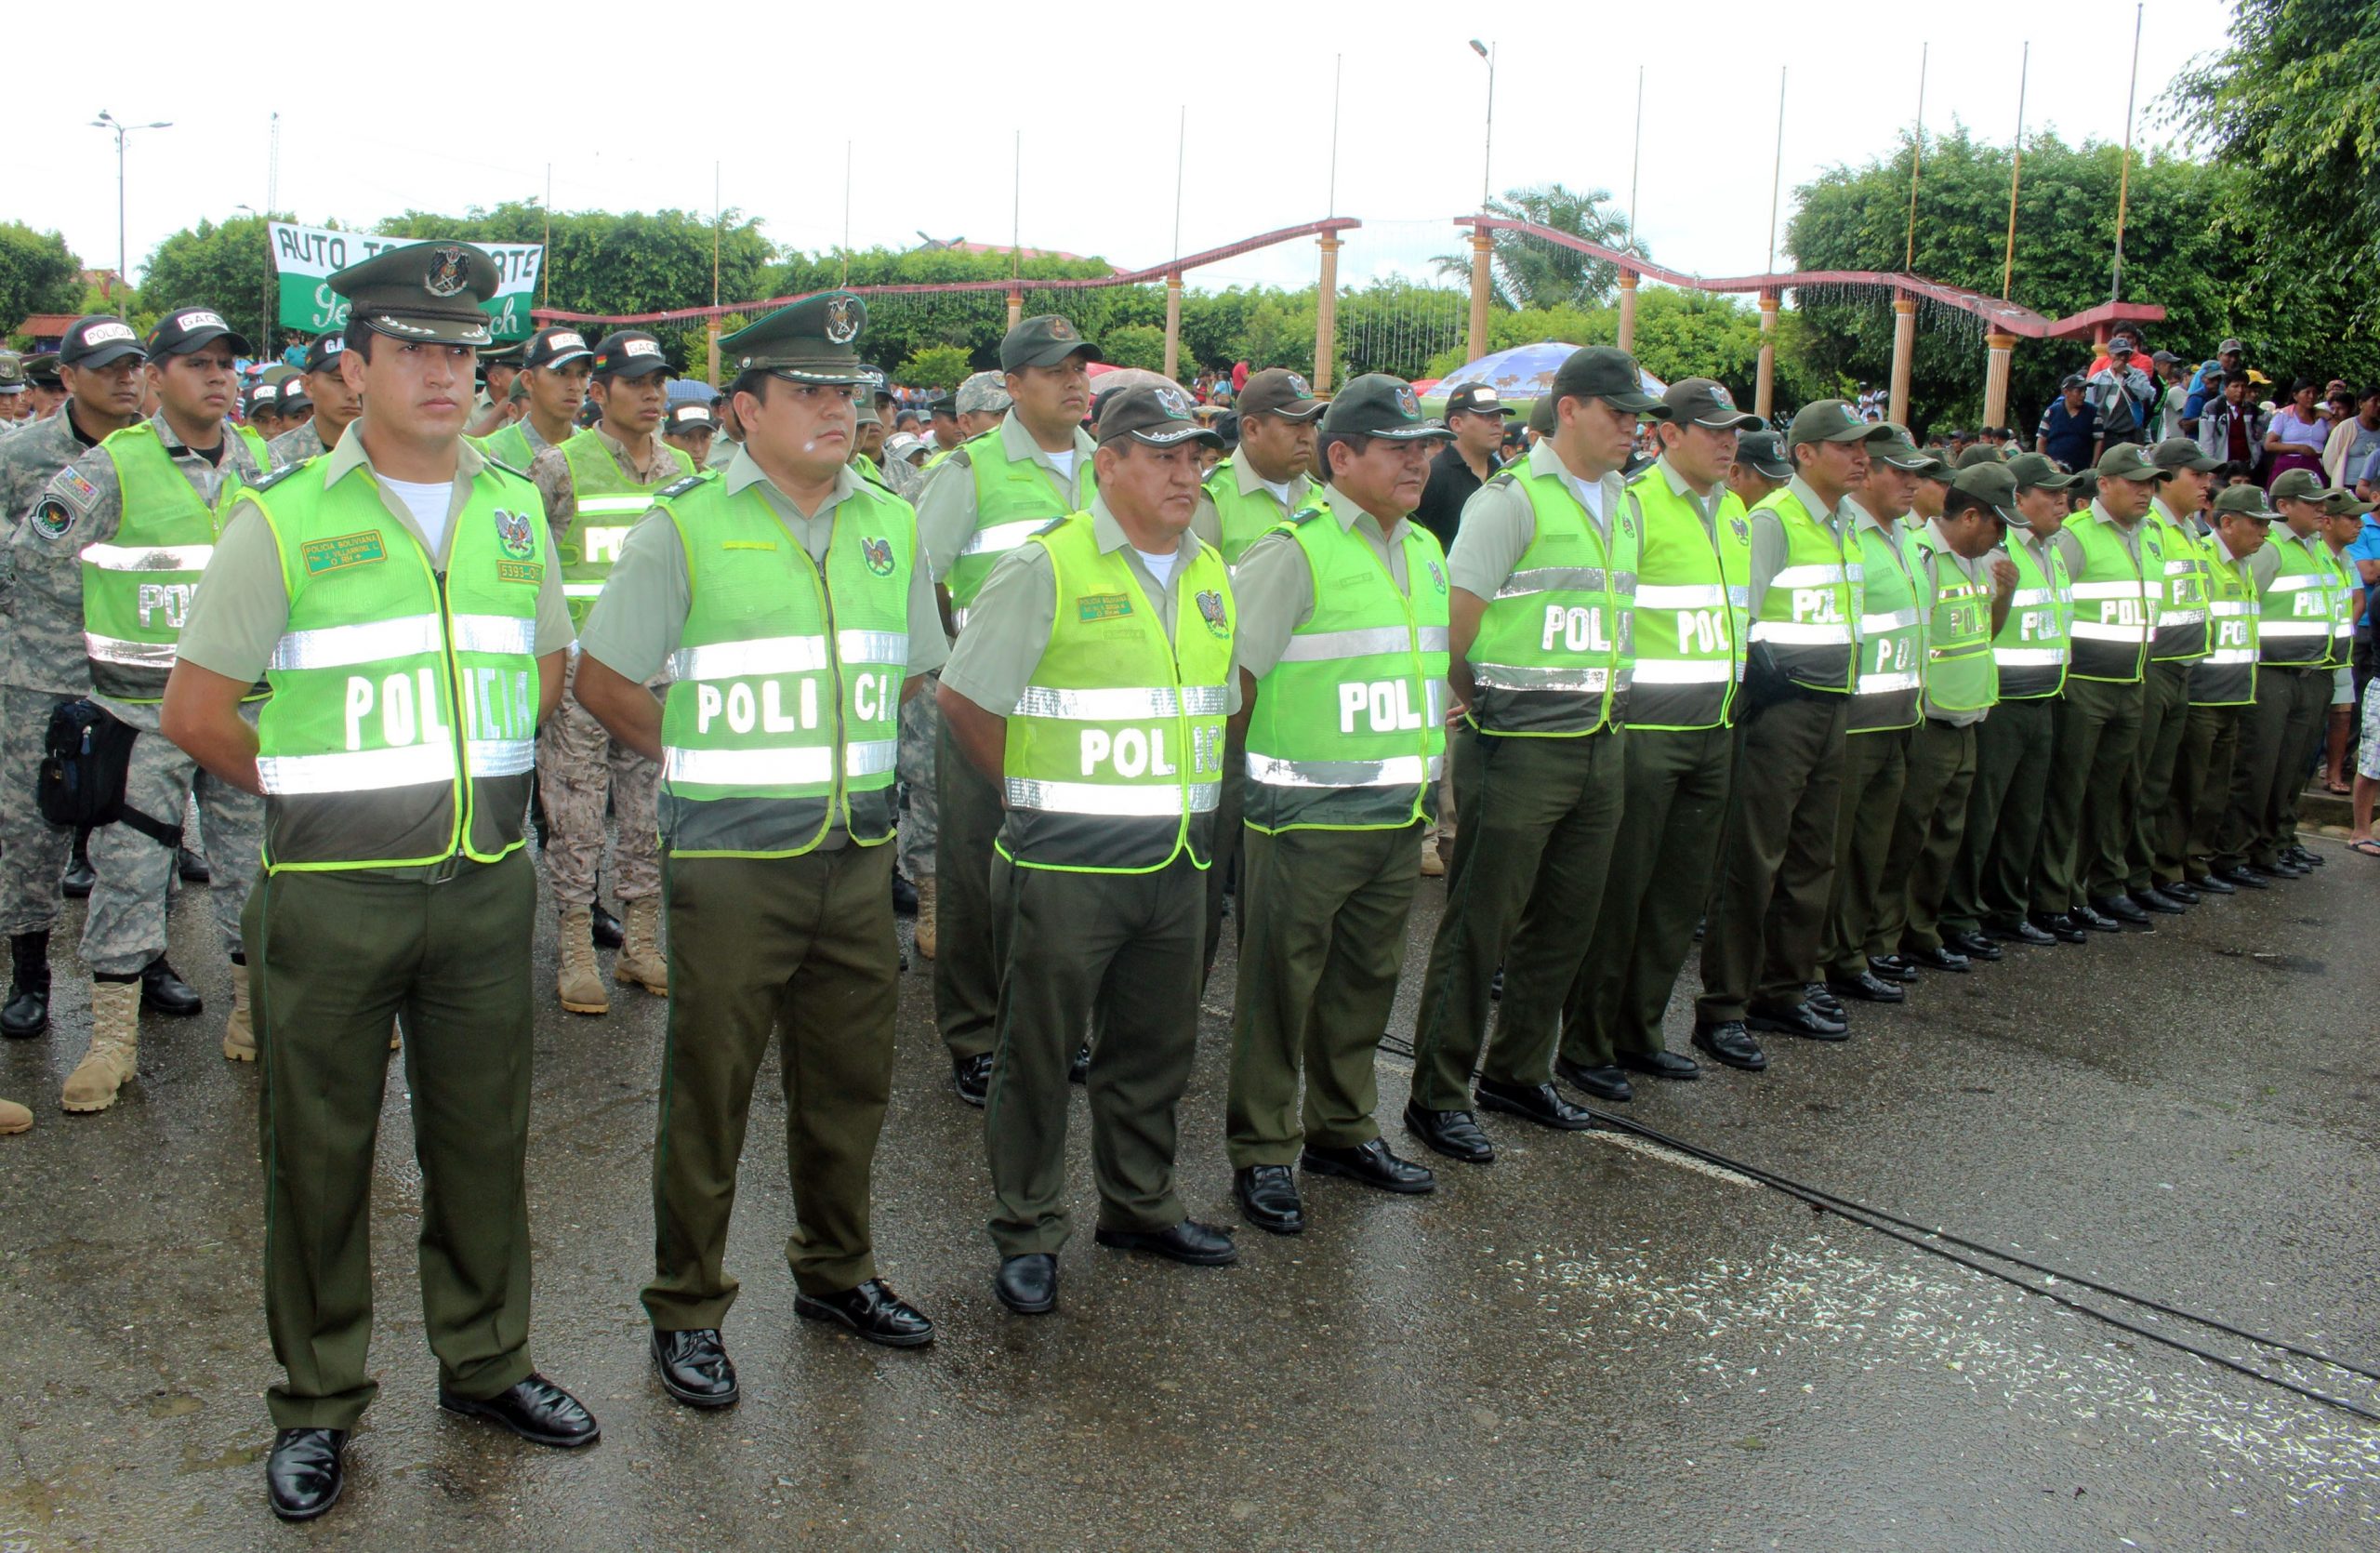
(1586, 1345)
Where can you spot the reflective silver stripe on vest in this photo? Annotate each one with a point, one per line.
(873, 646)
(502, 757)
(809, 767)
(1552, 579)
(1794, 634)
(132, 655)
(1120, 706)
(1398, 771)
(771, 655)
(2231, 655)
(2025, 598)
(2093, 590)
(870, 757)
(1003, 537)
(509, 635)
(1885, 684)
(2293, 582)
(1739, 595)
(1515, 676)
(1686, 596)
(411, 765)
(2272, 629)
(1807, 577)
(1111, 801)
(2029, 657)
(2168, 616)
(1899, 619)
(149, 558)
(1323, 646)
(1683, 671)
(582, 589)
(346, 647)
(634, 501)
(2092, 631)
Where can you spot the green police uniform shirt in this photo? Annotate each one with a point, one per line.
(1207, 522)
(1939, 555)
(1499, 525)
(947, 505)
(1275, 585)
(1769, 546)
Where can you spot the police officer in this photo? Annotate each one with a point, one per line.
(334, 402)
(1693, 577)
(16, 392)
(942, 425)
(596, 485)
(1544, 570)
(114, 547)
(101, 361)
(2296, 619)
(498, 366)
(1094, 675)
(791, 644)
(2154, 854)
(555, 364)
(395, 880)
(1776, 856)
(874, 409)
(689, 428)
(1035, 464)
(2223, 684)
(45, 384)
(260, 412)
(1987, 901)
(1248, 493)
(1760, 467)
(1342, 649)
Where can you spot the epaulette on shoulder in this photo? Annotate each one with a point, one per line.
(1504, 476)
(1051, 526)
(1304, 515)
(680, 487)
(512, 470)
(268, 482)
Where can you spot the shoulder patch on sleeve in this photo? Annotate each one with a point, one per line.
(1502, 477)
(1303, 516)
(680, 488)
(73, 485)
(266, 483)
(52, 519)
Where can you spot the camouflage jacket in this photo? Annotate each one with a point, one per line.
(295, 447)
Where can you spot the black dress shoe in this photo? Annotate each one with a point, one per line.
(1818, 995)
(193, 868)
(1267, 1195)
(2152, 900)
(1607, 1082)
(76, 881)
(2091, 917)
(905, 897)
(1496, 986)
(972, 1077)
(1893, 967)
(1730, 1045)
(1372, 1163)
(1079, 1072)
(2179, 891)
(1661, 1065)
(306, 1472)
(1939, 959)
(693, 1366)
(874, 1311)
(2060, 926)
(2275, 869)
(2124, 909)
(2021, 933)
(1539, 1103)
(1975, 946)
(1457, 1134)
(1201, 1245)
(2208, 885)
(167, 994)
(608, 933)
(27, 1013)
(1869, 988)
(2298, 853)
(536, 1409)
(2243, 878)
(1028, 1284)
(1797, 1019)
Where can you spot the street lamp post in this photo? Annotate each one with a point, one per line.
(1487, 151)
(110, 122)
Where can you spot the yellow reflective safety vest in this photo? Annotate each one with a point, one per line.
(606, 505)
(1693, 607)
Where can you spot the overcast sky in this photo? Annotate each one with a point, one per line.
(931, 98)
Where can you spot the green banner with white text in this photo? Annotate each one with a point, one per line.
(304, 258)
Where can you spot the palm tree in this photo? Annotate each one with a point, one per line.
(1529, 272)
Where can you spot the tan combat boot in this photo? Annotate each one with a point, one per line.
(581, 984)
(928, 929)
(114, 1056)
(239, 1032)
(14, 1117)
(641, 963)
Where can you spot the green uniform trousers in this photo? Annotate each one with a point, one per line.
(1323, 942)
(2276, 737)
(801, 948)
(1933, 820)
(332, 959)
(1117, 954)
(2297, 766)
(1223, 874)
(1989, 882)
(1776, 859)
(1875, 768)
(2150, 857)
(966, 965)
(1539, 816)
(2202, 784)
(1675, 807)
(2081, 847)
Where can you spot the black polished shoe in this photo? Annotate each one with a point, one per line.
(2060, 926)
(1869, 987)
(1939, 959)
(1539, 1103)
(1267, 1195)
(1604, 1083)
(972, 1077)
(2094, 919)
(2243, 877)
(608, 933)
(2296, 852)
(2153, 900)
(1661, 1065)
(2124, 909)
(536, 1409)
(2276, 869)
(1893, 967)
(693, 1366)
(76, 881)
(2179, 891)
(1975, 946)
(905, 898)
(167, 994)
(306, 1472)
(2208, 885)
(1028, 1284)
(1730, 1045)
(27, 1013)
(1457, 1134)
(1797, 1019)
(1819, 996)
(1373, 1164)
(1200, 1245)
(193, 868)
(2021, 933)
(1496, 986)
(874, 1311)
(1079, 1072)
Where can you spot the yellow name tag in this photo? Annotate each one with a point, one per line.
(1103, 607)
(748, 544)
(347, 549)
(530, 571)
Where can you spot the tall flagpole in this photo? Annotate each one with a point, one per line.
(1916, 163)
(2123, 179)
(1777, 175)
(2015, 171)
(1636, 156)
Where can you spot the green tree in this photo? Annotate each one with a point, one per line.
(38, 274)
(936, 366)
(1531, 273)
(1141, 345)
(227, 267)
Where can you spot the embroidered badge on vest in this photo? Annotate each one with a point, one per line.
(1103, 607)
(344, 551)
(878, 553)
(1211, 609)
(513, 535)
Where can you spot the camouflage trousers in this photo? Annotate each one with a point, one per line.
(579, 764)
(124, 927)
(921, 821)
(33, 851)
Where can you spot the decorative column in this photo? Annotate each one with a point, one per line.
(1763, 393)
(711, 376)
(1904, 346)
(1997, 349)
(1482, 248)
(1016, 307)
(1628, 279)
(1173, 326)
(1326, 314)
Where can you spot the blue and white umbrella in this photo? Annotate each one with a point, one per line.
(1519, 376)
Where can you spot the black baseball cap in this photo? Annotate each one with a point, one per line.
(323, 354)
(1608, 373)
(183, 330)
(295, 400)
(554, 346)
(629, 353)
(1472, 399)
(97, 339)
(1377, 404)
(691, 416)
(261, 395)
(40, 370)
(1044, 341)
(1158, 415)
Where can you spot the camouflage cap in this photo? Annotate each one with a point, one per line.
(2299, 485)
(813, 340)
(428, 291)
(982, 394)
(1044, 341)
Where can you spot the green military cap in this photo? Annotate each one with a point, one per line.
(1981, 453)
(429, 291)
(1543, 417)
(813, 340)
(2244, 500)
(519, 389)
(2299, 485)
(12, 373)
(40, 370)
(1764, 451)
(864, 409)
(1044, 341)
(1608, 373)
(505, 355)
(2181, 453)
(2086, 483)
(982, 394)
(1277, 390)
(2125, 461)
(2039, 471)
(1993, 484)
(1702, 401)
(1902, 451)
(2340, 502)
(1159, 415)
(1832, 420)
(1377, 404)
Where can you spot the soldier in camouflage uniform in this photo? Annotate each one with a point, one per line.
(48, 389)
(100, 360)
(16, 395)
(336, 405)
(81, 515)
